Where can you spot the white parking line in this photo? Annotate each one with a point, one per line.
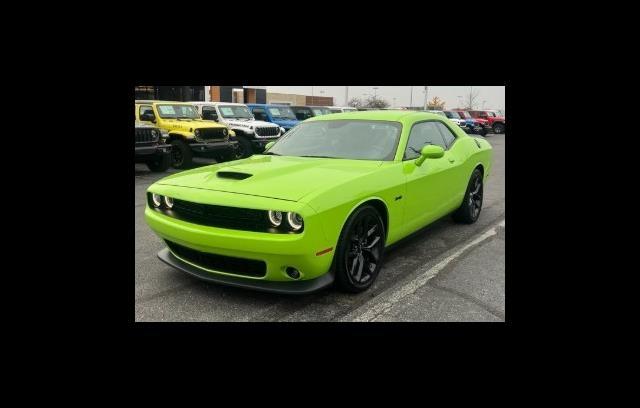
(385, 302)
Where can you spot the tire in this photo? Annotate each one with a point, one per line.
(469, 210)
(161, 163)
(245, 147)
(498, 128)
(360, 250)
(181, 155)
(482, 132)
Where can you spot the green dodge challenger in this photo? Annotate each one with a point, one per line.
(321, 204)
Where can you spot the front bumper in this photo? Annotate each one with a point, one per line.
(213, 147)
(296, 287)
(143, 153)
(277, 251)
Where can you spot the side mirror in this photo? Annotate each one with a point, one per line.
(429, 152)
(268, 146)
(149, 117)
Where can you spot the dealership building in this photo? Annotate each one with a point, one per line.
(236, 94)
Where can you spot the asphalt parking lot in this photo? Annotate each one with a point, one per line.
(445, 272)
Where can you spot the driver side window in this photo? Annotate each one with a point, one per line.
(145, 110)
(209, 113)
(423, 134)
(260, 114)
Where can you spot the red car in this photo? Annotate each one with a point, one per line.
(496, 121)
(480, 126)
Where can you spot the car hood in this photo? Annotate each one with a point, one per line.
(248, 123)
(186, 124)
(281, 177)
(286, 123)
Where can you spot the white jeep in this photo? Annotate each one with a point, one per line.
(252, 135)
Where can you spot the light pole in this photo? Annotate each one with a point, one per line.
(426, 94)
(411, 97)
(483, 102)
(312, 98)
(375, 93)
(459, 100)
(346, 95)
(394, 102)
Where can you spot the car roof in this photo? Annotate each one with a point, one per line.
(389, 115)
(141, 101)
(217, 103)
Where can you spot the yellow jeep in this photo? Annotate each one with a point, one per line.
(189, 135)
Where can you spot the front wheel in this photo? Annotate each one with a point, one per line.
(498, 128)
(245, 148)
(161, 163)
(469, 211)
(360, 248)
(181, 155)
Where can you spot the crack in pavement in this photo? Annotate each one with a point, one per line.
(393, 295)
(488, 308)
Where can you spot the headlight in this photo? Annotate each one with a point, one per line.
(168, 201)
(225, 132)
(154, 133)
(295, 220)
(157, 199)
(275, 217)
(197, 133)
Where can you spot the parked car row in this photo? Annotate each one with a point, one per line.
(172, 133)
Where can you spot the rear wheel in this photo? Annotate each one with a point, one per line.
(360, 248)
(161, 163)
(498, 128)
(469, 211)
(181, 155)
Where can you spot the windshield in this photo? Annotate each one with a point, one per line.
(235, 112)
(464, 115)
(452, 115)
(341, 139)
(178, 111)
(282, 112)
(302, 113)
(492, 114)
(319, 111)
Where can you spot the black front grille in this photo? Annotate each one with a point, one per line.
(221, 263)
(212, 133)
(145, 135)
(221, 216)
(267, 131)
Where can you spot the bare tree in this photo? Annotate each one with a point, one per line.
(471, 99)
(355, 102)
(376, 102)
(436, 103)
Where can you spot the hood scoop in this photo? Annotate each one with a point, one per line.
(234, 175)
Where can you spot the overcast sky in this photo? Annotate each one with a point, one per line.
(493, 95)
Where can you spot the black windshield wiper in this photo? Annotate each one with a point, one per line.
(271, 153)
(320, 157)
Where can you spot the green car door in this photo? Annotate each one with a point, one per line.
(429, 187)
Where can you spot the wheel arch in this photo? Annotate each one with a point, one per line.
(376, 202)
(178, 136)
